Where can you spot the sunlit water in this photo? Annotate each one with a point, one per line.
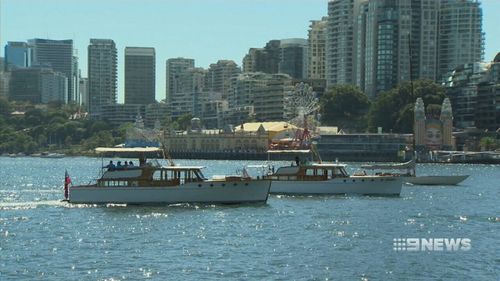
(289, 238)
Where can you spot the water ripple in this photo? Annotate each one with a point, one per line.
(290, 238)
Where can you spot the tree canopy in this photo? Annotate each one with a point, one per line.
(345, 106)
(51, 128)
(393, 109)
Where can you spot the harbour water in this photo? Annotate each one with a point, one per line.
(289, 238)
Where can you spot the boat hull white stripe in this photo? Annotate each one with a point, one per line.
(352, 185)
(219, 192)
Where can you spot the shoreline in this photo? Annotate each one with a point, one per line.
(329, 156)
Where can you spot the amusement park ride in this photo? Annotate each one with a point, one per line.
(301, 107)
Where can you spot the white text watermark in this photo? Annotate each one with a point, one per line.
(431, 244)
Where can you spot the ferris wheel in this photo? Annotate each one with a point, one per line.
(301, 106)
(300, 102)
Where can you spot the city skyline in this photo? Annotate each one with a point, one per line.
(204, 31)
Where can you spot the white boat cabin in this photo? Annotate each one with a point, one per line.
(152, 176)
(309, 172)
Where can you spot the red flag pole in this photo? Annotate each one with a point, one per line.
(67, 181)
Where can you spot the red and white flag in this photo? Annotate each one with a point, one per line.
(67, 182)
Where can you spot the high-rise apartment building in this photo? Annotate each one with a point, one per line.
(250, 59)
(58, 55)
(176, 68)
(377, 44)
(84, 92)
(219, 76)
(38, 85)
(294, 57)
(188, 92)
(269, 99)
(4, 84)
(243, 88)
(263, 59)
(340, 41)
(102, 75)
(17, 55)
(461, 38)
(139, 75)
(317, 47)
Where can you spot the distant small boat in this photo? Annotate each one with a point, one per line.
(52, 155)
(436, 180)
(411, 177)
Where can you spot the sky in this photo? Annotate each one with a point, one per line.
(205, 30)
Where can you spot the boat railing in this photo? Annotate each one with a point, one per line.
(297, 177)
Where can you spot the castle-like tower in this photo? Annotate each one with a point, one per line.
(447, 121)
(419, 125)
(432, 133)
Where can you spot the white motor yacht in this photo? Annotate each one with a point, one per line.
(330, 178)
(155, 184)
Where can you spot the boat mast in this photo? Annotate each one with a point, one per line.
(413, 155)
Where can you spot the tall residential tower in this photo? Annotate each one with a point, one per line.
(17, 55)
(377, 44)
(58, 55)
(139, 75)
(102, 75)
(175, 69)
(317, 47)
(461, 37)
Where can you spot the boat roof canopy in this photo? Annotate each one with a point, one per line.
(326, 165)
(399, 166)
(128, 149)
(181, 168)
(298, 151)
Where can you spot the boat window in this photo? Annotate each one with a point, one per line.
(310, 172)
(339, 172)
(199, 175)
(158, 175)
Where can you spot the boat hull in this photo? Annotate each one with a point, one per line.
(206, 192)
(436, 180)
(364, 185)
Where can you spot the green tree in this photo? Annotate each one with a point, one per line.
(345, 106)
(103, 138)
(393, 109)
(34, 117)
(5, 107)
(488, 143)
(184, 121)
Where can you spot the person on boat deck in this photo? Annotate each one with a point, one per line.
(110, 166)
(142, 161)
(130, 164)
(119, 165)
(125, 165)
(297, 160)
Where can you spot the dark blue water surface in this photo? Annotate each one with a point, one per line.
(289, 238)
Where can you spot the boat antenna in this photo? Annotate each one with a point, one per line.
(413, 154)
(165, 154)
(315, 152)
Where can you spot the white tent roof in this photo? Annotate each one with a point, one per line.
(128, 149)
